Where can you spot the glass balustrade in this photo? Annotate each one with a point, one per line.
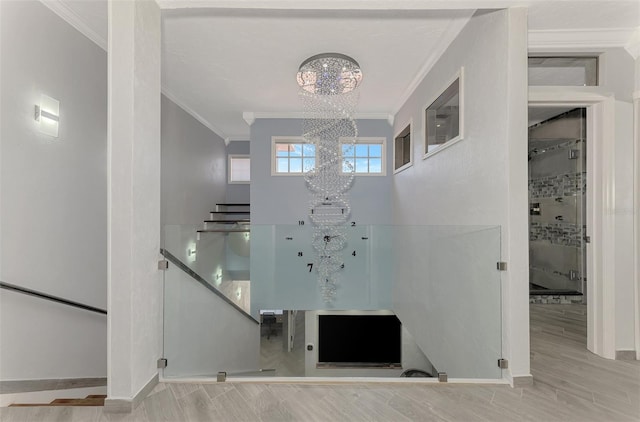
(440, 281)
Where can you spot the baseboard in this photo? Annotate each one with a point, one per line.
(128, 405)
(522, 381)
(26, 386)
(625, 355)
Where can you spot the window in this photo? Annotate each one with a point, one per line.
(292, 156)
(366, 156)
(563, 71)
(402, 150)
(443, 122)
(239, 169)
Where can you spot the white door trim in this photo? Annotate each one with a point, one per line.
(636, 247)
(600, 207)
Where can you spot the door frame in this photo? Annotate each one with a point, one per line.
(600, 215)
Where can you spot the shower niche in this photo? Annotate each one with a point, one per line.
(557, 204)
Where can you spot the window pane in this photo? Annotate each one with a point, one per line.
(347, 166)
(308, 150)
(295, 165)
(362, 150)
(375, 150)
(308, 164)
(375, 165)
(362, 165)
(282, 150)
(283, 165)
(443, 117)
(240, 169)
(347, 150)
(296, 150)
(563, 71)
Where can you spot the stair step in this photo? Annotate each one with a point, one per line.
(90, 400)
(230, 212)
(244, 220)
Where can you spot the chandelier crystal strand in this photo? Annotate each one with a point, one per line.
(328, 85)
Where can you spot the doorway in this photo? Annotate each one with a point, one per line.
(557, 170)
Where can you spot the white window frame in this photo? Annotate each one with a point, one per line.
(274, 159)
(369, 140)
(410, 163)
(460, 76)
(229, 165)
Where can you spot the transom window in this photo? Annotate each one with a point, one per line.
(292, 156)
(365, 157)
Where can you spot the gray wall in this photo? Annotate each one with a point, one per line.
(53, 223)
(193, 167)
(481, 180)
(238, 193)
(284, 199)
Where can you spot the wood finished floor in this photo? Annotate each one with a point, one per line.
(570, 384)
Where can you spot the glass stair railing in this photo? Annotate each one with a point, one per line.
(441, 281)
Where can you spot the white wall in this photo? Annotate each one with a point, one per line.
(204, 334)
(134, 132)
(53, 224)
(481, 180)
(193, 167)
(624, 257)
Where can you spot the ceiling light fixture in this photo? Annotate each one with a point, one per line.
(328, 85)
(329, 74)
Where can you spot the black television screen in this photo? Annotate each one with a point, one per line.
(370, 340)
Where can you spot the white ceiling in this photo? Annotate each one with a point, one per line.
(222, 58)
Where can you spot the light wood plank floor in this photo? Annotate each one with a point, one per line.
(570, 384)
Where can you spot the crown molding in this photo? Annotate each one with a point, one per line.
(251, 117)
(549, 40)
(193, 114)
(73, 19)
(633, 45)
(344, 4)
(447, 37)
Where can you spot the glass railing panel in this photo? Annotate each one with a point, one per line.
(441, 282)
(203, 333)
(447, 293)
(284, 277)
(219, 257)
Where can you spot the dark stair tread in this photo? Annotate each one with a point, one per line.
(96, 400)
(229, 212)
(228, 221)
(233, 205)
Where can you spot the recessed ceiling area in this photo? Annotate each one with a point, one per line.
(222, 63)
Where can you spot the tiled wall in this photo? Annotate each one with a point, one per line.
(565, 234)
(561, 185)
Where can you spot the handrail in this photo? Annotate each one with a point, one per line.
(52, 298)
(171, 258)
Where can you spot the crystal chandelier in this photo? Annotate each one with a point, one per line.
(328, 85)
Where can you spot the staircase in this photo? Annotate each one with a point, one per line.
(227, 218)
(90, 400)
